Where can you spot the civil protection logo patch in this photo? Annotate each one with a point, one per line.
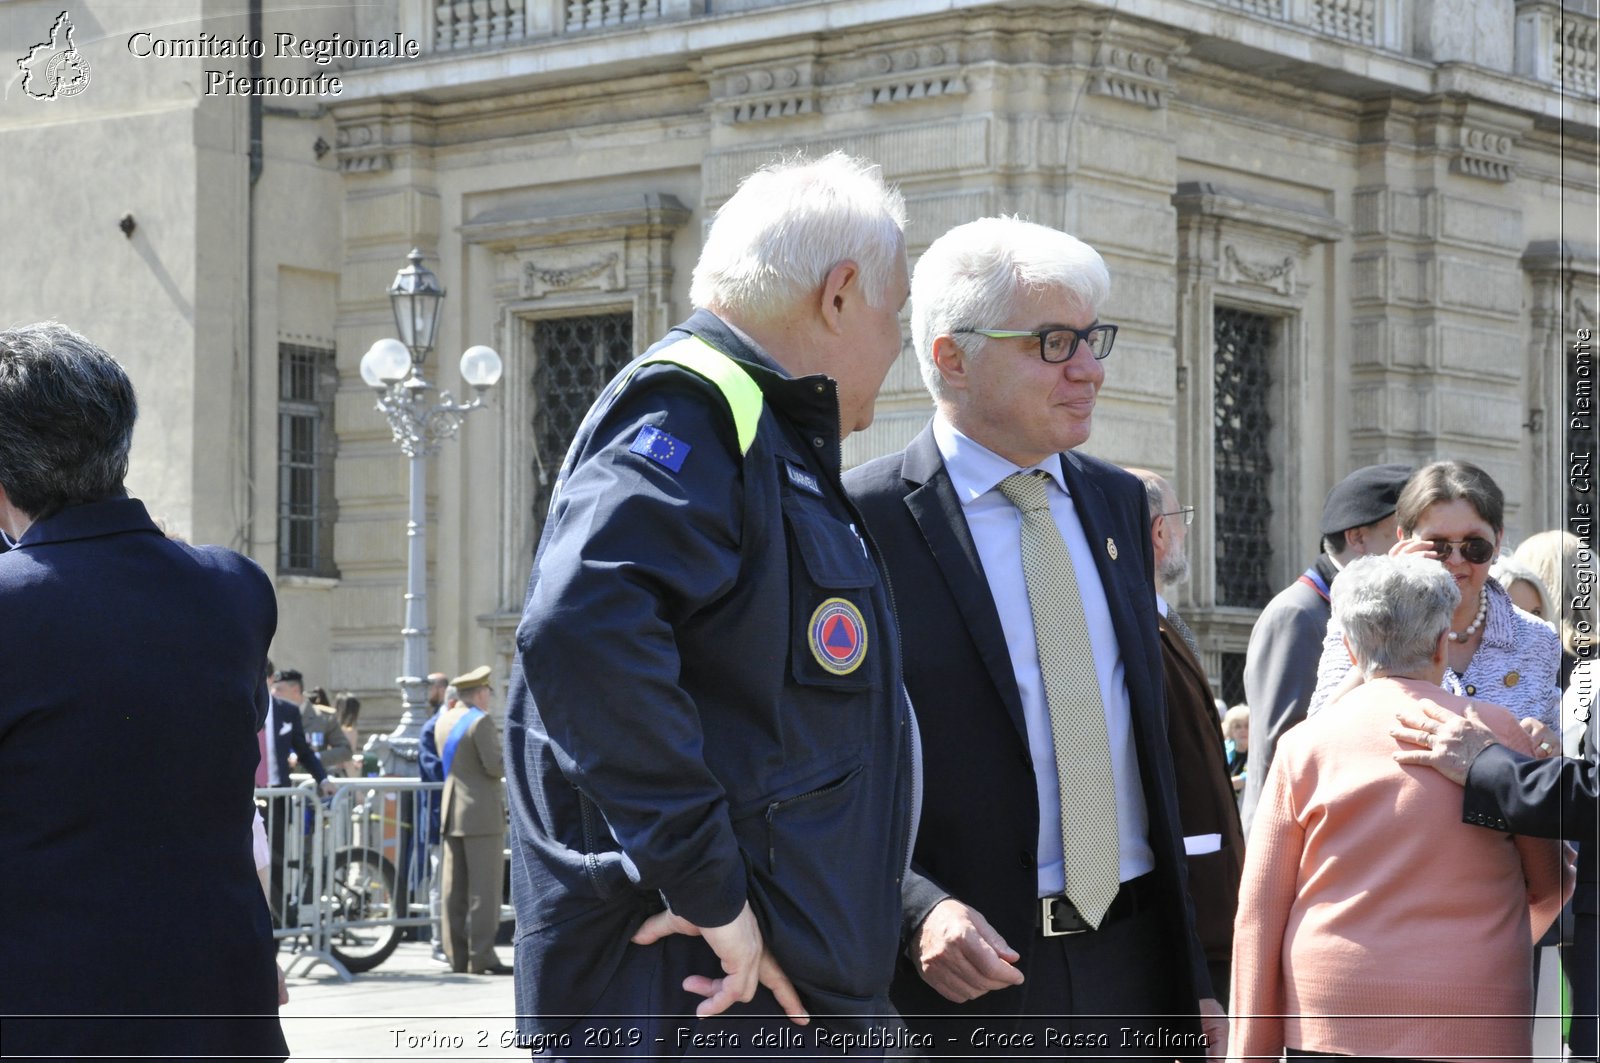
(838, 636)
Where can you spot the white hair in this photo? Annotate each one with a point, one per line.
(789, 224)
(974, 275)
(1393, 610)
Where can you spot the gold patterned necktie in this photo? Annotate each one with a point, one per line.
(1072, 691)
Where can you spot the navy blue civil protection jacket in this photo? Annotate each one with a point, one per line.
(706, 705)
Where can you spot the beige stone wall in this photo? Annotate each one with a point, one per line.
(1400, 185)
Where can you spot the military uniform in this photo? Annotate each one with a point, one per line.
(472, 825)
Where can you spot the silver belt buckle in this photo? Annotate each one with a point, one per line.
(1047, 926)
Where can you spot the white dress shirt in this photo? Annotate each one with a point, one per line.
(271, 726)
(996, 527)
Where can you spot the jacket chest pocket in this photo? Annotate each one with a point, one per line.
(833, 630)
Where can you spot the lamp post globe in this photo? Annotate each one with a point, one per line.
(386, 362)
(481, 367)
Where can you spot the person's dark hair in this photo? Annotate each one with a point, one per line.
(1335, 543)
(318, 696)
(1446, 481)
(348, 706)
(67, 409)
(289, 675)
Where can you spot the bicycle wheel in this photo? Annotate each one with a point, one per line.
(362, 887)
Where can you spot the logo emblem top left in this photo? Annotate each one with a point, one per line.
(55, 69)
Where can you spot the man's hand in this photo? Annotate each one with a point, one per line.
(1214, 1024)
(746, 962)
(961, 955)
(328, 787)
(1448, 742)
(283, 987)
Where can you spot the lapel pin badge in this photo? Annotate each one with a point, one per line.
(1111, 548)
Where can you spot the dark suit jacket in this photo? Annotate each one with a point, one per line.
(1553, 798)
(980, 812)
(291, 737)
(1205, 797)
(125, 889)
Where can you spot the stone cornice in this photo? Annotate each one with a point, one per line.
(509, 227)
(1215, 200)
(1214, 33)
(1561, 256)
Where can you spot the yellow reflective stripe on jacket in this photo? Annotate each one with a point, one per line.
(742, 394)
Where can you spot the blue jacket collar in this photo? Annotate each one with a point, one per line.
(107, 516)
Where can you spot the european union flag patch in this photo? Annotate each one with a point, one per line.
(661, 448)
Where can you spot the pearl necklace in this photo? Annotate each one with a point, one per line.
(1477, 622)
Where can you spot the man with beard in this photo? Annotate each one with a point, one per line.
(1212, 838)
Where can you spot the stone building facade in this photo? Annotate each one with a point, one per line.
(1339, 232)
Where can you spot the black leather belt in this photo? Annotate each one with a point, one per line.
(1057, 917)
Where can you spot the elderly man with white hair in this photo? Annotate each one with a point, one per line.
(709, 751)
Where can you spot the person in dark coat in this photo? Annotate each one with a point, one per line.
(711, 796)
(132, 922)
(1213, 841)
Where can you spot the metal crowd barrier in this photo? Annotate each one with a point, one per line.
(351, 872)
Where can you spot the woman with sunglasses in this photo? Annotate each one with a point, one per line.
(1454, 512)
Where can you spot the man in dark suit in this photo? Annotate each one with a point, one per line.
(1046, 901)
(283, 732)
(1212, 838)
(286, 733)
(131, 919)
(1547, 796)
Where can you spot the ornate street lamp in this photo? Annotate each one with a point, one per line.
(422, 418)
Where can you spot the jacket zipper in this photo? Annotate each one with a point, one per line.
(772, 810)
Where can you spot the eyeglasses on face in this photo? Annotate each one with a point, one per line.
(1474, 549)
(1057, 345)
(1186, 512)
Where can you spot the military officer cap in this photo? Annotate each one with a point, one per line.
(478, 677)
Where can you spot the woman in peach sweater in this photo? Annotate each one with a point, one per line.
(1372, 920)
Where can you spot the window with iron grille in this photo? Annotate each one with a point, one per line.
(1233, 678)
(574, 357)
(1243, 460)
(307, 380)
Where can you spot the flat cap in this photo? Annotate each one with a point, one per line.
(1366, 495)
(478, 677)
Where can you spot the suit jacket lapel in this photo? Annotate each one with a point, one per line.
(936, 509)
(1101, 531)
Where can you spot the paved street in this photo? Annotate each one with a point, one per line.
(410, 1007)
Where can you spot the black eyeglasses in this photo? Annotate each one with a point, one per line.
(1057, 345)
(1186, 512)
(1474, 549)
